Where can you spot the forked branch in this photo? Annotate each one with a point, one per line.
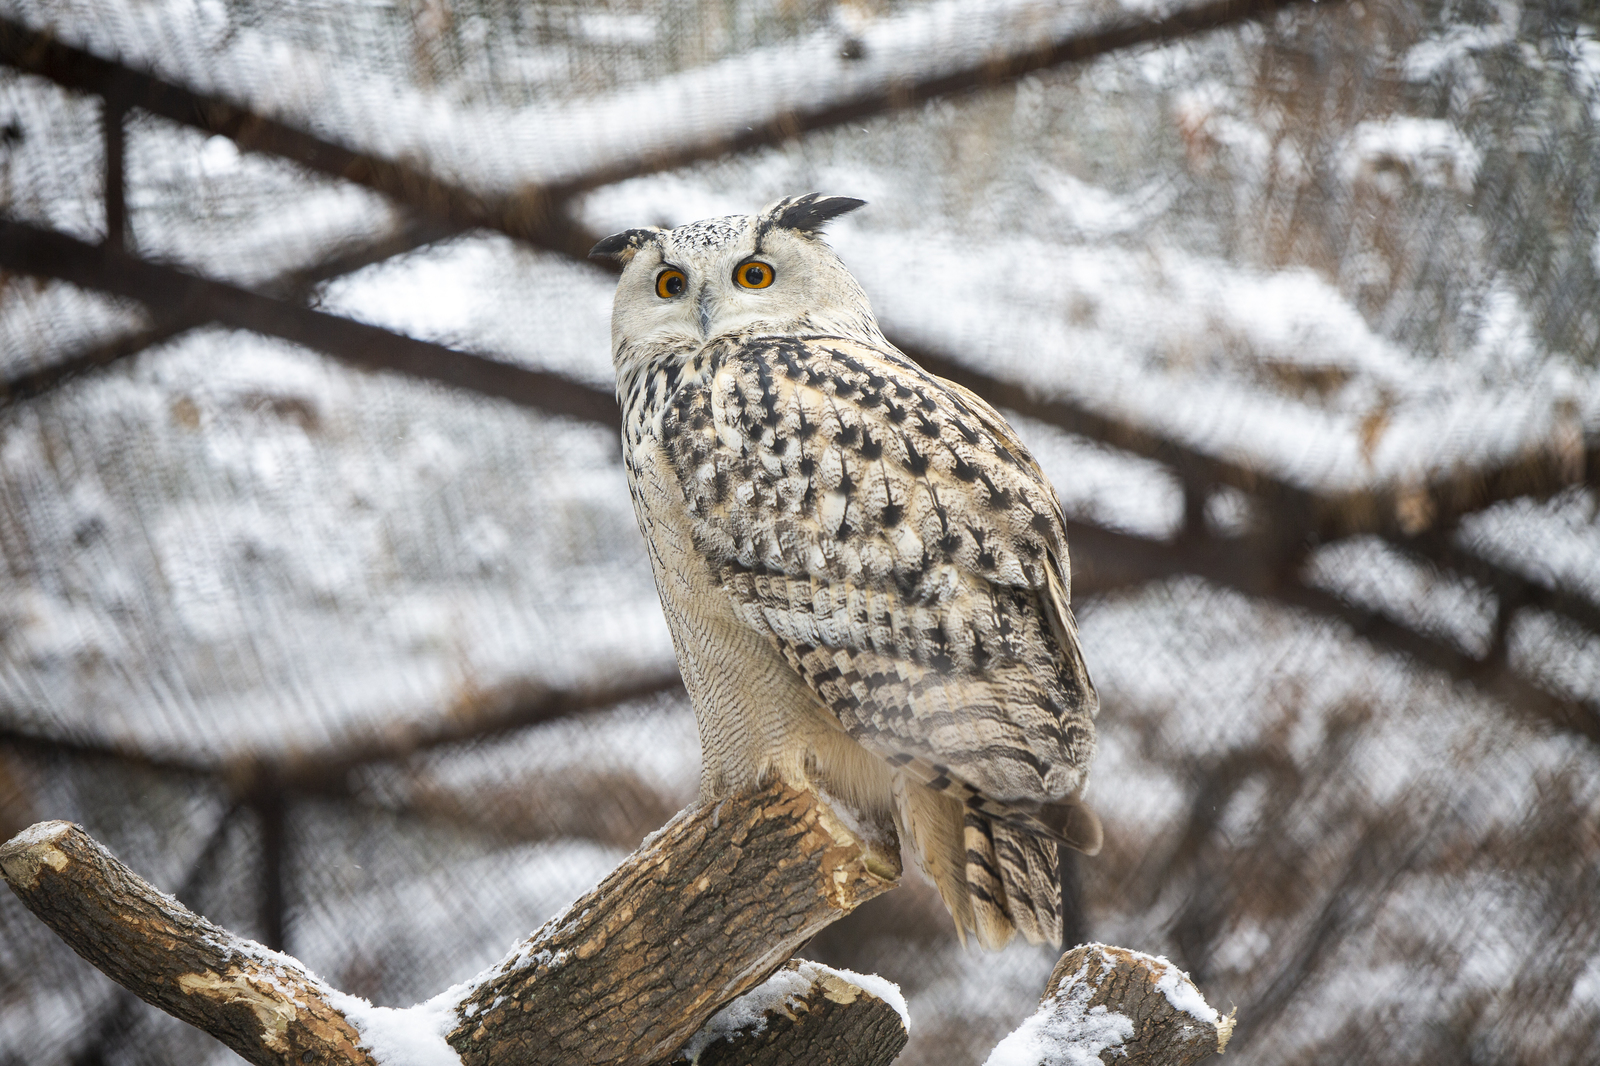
(704, 911)
(697, 920)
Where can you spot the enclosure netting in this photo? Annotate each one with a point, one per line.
(1297, 304)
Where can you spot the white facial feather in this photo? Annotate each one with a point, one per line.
(811, 292)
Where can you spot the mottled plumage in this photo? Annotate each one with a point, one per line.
(864, 571)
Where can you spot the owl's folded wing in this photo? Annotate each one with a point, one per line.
(892, 537)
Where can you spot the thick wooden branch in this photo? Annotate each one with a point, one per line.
(1118, 1006)
(805, 1013)
(703, 912)
(261, 1004)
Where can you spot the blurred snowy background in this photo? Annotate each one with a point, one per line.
(324, 607)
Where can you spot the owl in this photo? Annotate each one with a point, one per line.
(864, 571)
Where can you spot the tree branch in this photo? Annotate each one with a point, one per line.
(38, 251)
(261, 1004)
(481, 714)
(537, 213)
(633, 973)
(1112, 559)
(895, 94)
(704, 911)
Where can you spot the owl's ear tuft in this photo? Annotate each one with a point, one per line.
(809, 213)
(621, 247)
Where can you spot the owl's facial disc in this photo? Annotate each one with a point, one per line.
(738, 275)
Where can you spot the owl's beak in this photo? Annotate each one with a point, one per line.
(705, 312)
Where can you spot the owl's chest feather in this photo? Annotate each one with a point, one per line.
(753, 711)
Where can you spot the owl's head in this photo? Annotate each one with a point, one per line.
(768, 273)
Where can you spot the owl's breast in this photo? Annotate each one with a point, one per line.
(754, 713)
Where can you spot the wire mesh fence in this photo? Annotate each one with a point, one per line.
(324, 604)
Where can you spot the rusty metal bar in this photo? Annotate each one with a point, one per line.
(113, 122)
(187, 298)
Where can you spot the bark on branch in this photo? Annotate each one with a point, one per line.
(263, 1005)
(634, 972)
(704, 911)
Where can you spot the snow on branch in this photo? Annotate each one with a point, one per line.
(804, 1013)
(1140, 1008)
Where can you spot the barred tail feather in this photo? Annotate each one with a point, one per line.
(985, 884)
(1031, 872)
(996, 878)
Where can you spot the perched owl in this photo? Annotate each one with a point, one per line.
(864, 571)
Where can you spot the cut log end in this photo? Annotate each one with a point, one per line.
(23, 855)
(263, 1005)
(1119, 1006)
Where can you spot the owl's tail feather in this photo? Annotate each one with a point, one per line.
(930, 823)
(1014, 882)
(996, 877)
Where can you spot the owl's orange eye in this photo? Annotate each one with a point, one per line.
(670, 283)
(753, 274)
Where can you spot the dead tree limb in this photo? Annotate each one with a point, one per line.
(704, 911)
(1141, 1008)
(261, 1004)
(635, 972)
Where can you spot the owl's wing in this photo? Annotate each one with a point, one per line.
(887, 531)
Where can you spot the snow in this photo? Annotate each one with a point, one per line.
(488, 294)
(230, 547)
(881, 987)
(748, 1013)
(1586, 989)
(40, 833)
(1064, 1031)
(414, 1036)
(47, 321)
(779, 994)
(1181, 993)
(1459, 45)
(1429, 149)
(310, 548)
(498, 148)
